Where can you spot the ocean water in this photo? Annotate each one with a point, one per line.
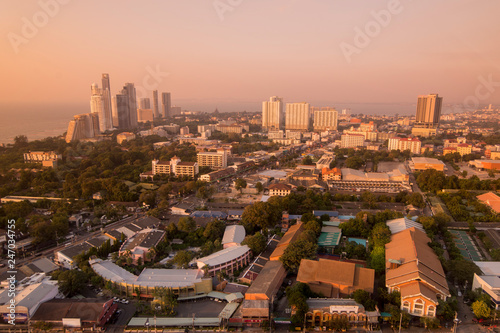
(41, 121)
(36, 122)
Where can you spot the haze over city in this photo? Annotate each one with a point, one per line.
(235, 54)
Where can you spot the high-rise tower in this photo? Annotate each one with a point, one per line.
(272, 114)
(129, 90)
(156, 114)
(428, 114)
(106, 94)
(166, 104)
(297, 116)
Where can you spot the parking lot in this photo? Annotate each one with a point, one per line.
(201, 308)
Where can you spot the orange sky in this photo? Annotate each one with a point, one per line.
(219, 51)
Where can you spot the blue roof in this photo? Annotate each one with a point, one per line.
(294, 217)
(331, 213)
(359, 241)
(209, 213)
(235, 212)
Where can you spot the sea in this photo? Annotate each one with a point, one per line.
(41, 121)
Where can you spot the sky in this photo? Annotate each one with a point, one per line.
(237, 53)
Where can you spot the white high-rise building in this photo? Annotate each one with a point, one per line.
(325, 119)
(297, 116)
(98, 106)
(272, 114)
(106, 94)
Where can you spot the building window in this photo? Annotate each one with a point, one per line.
(418, 307)
(431, 311)
(406, 306)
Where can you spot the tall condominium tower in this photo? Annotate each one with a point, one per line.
(166, 105)
(83, 126)
(272, 114)
(145, 103)
(121, 118)
(428, 114)
(129, 90)
(297, 116)
(428, 110)
(98, 100)
(325, 119)
(106, 94)
(156, 114)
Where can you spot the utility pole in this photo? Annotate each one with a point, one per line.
(400, 320)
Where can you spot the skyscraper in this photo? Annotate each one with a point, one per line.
(297, 116)
(428, 114)
(98, 106)
(83, 126)
(106, 94)
(121, 118)
(166, 104)
(156, 114)
(272, 114)
(428, 110)
(145, 103)
(325, 119)
(129, 90)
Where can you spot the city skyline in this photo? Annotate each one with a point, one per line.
(294, 52)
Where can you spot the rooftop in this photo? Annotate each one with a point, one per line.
(223, 256)
(234, 234)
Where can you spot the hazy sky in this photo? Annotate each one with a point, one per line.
(225, 52)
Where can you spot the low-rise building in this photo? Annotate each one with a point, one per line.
(492, 200)
(486, 164)
(412, 144)
(279, 189)
(83, 314)
(176, 167)
(138, 247)
(47, 158)
(489, 280)
(233, 235)
(324, 311)
(290, 236)
(124, 136)
(27, 300)
(425, 163)
(352, 140)
(331, 174)
(413, 269)
(183, 282)
(227, 260)
(335, 278)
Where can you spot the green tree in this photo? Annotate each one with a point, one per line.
(148, 198)
(182, 258)
(295, 252)
(377, 259)
(165, 300)
(481, 309)
(256, 243)
(214, 230)
(259, 187)
(186, 224)
(364, 298)
(71, 282)
(240, 184)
